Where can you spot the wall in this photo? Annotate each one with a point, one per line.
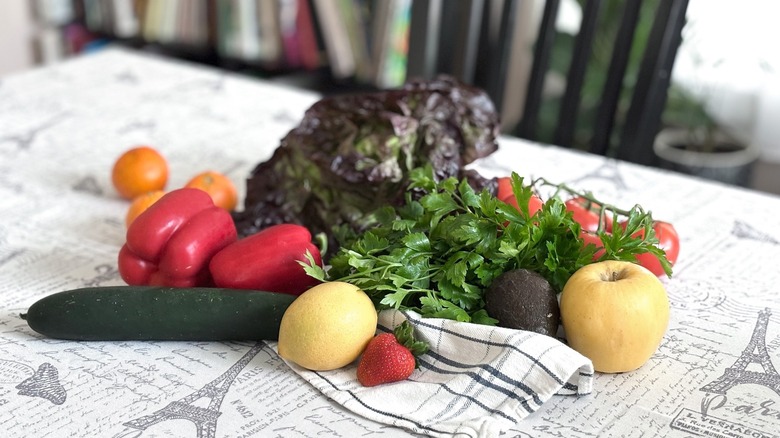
(16, 32)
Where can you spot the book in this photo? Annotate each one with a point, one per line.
(306, 32)
(124, 19)
(354, 16)
(54, 12)
(336, 38)
(288, 30)
(247, 21)
(269, 30)
(392, 44)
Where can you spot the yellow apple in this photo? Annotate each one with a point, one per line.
(615, 313)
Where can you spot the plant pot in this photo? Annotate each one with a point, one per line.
(729, 161)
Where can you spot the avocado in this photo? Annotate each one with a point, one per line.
(523, 299)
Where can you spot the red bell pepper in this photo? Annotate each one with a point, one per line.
(172, 242)
(267, 260)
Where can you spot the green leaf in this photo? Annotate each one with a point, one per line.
(357, 261)
(440, 204)
(455, 270)
(398, 281)
(443, 309)
(404, 225)
(311, 267)
(487, 233)
(422, 178)
(417, 241)
(448, 185)
(411, 211)
(385, 215)
(404, 333)
(511, 249)
(395, 299)
(481, 317)
(371, 243)
(458, 230)
(468, 196)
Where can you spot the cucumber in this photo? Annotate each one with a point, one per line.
(144, 313)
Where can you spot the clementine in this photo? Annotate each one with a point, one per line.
(218, 186)
(139, 170)
(140, 204)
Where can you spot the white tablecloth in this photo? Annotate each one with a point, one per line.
(62, 127)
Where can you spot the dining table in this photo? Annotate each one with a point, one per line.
(62, 126)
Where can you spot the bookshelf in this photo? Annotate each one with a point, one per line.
(328, 45)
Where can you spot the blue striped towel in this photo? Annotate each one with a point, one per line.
(475, 380)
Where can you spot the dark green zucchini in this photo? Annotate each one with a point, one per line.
(125, 313)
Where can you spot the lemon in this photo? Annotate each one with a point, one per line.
(327, 327)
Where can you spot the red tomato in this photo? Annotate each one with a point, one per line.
(588, 218)
(668, 240)
(593, 238)
(534, 204)
(504, 187)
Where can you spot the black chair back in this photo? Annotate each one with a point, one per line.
(463, 38)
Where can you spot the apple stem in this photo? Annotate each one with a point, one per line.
(613, 276)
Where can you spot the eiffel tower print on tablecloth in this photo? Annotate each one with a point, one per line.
(754, 353)
(205, 419)
(608, 171)
(45, 384)
(742, 230)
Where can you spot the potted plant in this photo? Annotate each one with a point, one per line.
(693, 142)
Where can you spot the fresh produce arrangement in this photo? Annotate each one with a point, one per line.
(367, 206)
(437, 254)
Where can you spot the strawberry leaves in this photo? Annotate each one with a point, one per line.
(404, 333)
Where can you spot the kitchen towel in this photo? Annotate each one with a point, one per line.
(475, 380)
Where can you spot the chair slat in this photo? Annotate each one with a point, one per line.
(541, 63)
(613, 86)
(423, 38)
(502, 55)
(644, 114)
(468, 22)
(570, 105)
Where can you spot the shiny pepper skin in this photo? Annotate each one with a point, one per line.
(173, 241)
(268, 260)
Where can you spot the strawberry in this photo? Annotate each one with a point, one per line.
(390, 357)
